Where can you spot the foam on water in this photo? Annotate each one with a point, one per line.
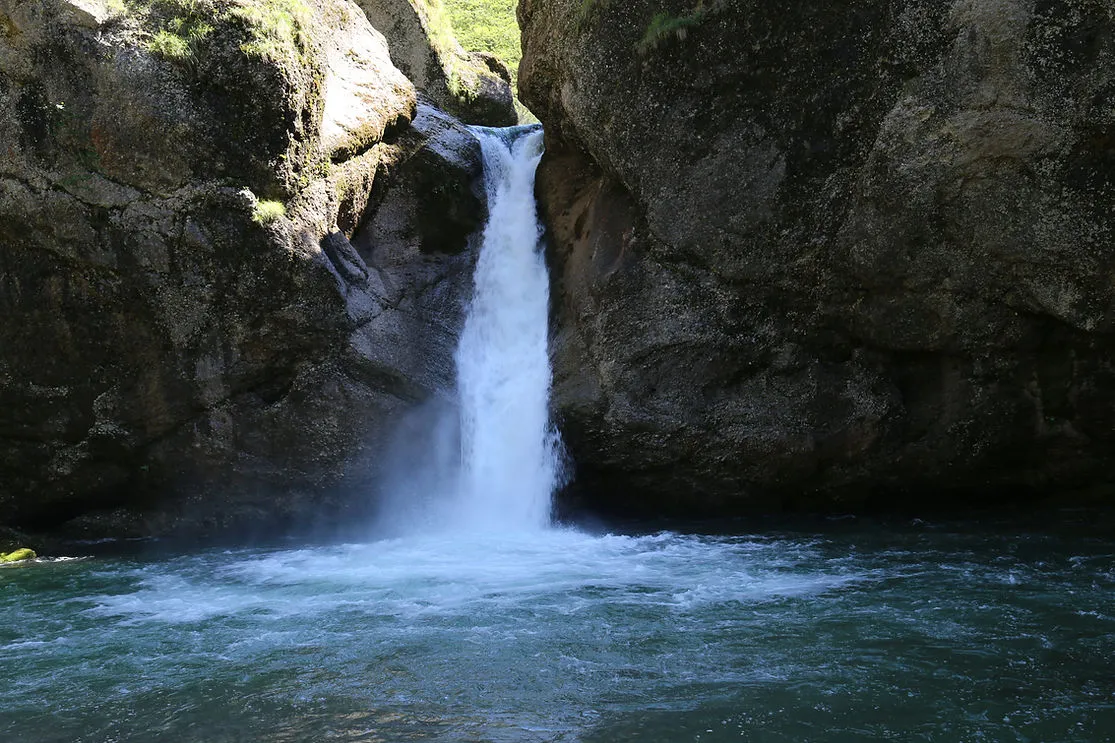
(562, 636)
(473, 573)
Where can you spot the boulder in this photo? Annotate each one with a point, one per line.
(191, 338)
(829, 256)
(472, 86)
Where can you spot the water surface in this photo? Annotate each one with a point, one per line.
(921, 632)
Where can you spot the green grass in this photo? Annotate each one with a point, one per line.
(439, 24)
(267, 211)
(488, 26)
(276, 27)
(178, 28)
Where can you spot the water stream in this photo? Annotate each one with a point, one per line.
(508, 446)
(490, 459)
(496, 626)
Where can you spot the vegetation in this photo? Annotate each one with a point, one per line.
(267, 211)
(664, 27)
(179, 28)
(588, 9)
(276, 27)
(488, 26)
(439, 24)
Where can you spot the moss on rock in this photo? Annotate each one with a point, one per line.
(19, 555)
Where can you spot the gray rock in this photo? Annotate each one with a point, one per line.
(830, 255)
(473, 86)
(178, 353)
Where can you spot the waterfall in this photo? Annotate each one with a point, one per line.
(509, 448)
(488, 459)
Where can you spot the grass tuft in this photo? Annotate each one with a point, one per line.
(664, 27)
(179, 28)
(268, 211)
(276, 28)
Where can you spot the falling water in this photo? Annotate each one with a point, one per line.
(485, 457)
(509, 459)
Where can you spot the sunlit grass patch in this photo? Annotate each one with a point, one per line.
(267, 211)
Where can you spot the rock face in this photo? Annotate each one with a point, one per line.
(473, 86)
(829, 255)
(204, 325)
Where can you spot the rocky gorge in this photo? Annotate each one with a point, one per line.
(825, 257)
(835, 256)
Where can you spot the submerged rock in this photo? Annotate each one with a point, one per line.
(189, 331)
(828, 256)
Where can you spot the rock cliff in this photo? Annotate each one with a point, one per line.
(829, 255)
(216, 288)
(473, 86)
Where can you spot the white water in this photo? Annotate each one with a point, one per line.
(491, 460)
(856, 633)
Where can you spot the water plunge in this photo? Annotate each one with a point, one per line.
(511, 632)
(490, 461)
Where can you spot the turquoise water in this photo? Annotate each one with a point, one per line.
(915, 632)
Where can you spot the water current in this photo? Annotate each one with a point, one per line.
(949, 632)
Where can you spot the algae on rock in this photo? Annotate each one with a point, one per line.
(18, 555)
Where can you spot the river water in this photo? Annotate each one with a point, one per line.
(929, 632)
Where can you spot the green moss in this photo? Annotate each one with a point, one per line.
(277, 28)
(268, 211)
(664, 27)
(526, 116)
(18, 556)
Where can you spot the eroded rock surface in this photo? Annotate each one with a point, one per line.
(829, 255)
(200, 328)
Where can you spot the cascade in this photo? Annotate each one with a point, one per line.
(509, 448)
(488, 459)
